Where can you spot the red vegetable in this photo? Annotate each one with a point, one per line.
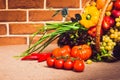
(37, 56)
(50, 61)
(107, 22)
(62, 52)
(116, 13)
(83, 52)
(92, 31)
(59, 63)
(117, 4)
(79, 65)
(44, 57)
(33, 56)
(68, 64)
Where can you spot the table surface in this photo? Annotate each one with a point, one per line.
(15, 69)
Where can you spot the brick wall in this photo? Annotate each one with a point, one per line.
(20, 18)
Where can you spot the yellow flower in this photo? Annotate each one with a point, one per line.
(90, 16)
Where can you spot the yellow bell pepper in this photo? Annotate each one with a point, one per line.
(90, 16)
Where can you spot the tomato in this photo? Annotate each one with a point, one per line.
(50, 62)
(79, 65)
(117, 4)
(59, 63)
(56, 52)
(81, 51)
(64, 51)
(67, 47)
(68, 64)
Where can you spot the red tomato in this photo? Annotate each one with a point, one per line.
(67, 47)
(59, 63)
(50, 62)
(79, 65)
(64, 51)
(68, 64)
(82, 51)
(56, 52)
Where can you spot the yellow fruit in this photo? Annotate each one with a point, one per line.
(89, 61)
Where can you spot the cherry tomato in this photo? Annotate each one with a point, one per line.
(78, 66)
(68, 64)
(67, 47)
(50, 62)
(56, 52)
(59, 63)
(64, 51)
(81, 51)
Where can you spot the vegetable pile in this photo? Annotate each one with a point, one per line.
(92, 34)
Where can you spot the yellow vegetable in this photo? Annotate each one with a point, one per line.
(90, 16)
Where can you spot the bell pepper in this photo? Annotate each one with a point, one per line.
(107, 22)
(92, 31)
(90, 17)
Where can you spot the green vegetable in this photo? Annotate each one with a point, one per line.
(46, 39)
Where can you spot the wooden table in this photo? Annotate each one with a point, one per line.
(15, 69)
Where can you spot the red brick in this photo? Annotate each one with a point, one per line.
(84, 2)
(12, 40)
(63, 3)
(25, 4)
(2, 4)
(44, 15)
(3, 29)
(24, 28)
(9, 16)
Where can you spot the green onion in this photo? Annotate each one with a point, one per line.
(58, 28)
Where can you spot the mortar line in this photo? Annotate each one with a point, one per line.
(80, 4)
(6, 4)
(8, 29)
(30, 22)
(27, 15)
(45, 4)
(21, 35)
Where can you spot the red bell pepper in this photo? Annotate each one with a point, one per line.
(107, 22)
(92, 31)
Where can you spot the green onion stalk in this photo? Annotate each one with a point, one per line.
(47, 38)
